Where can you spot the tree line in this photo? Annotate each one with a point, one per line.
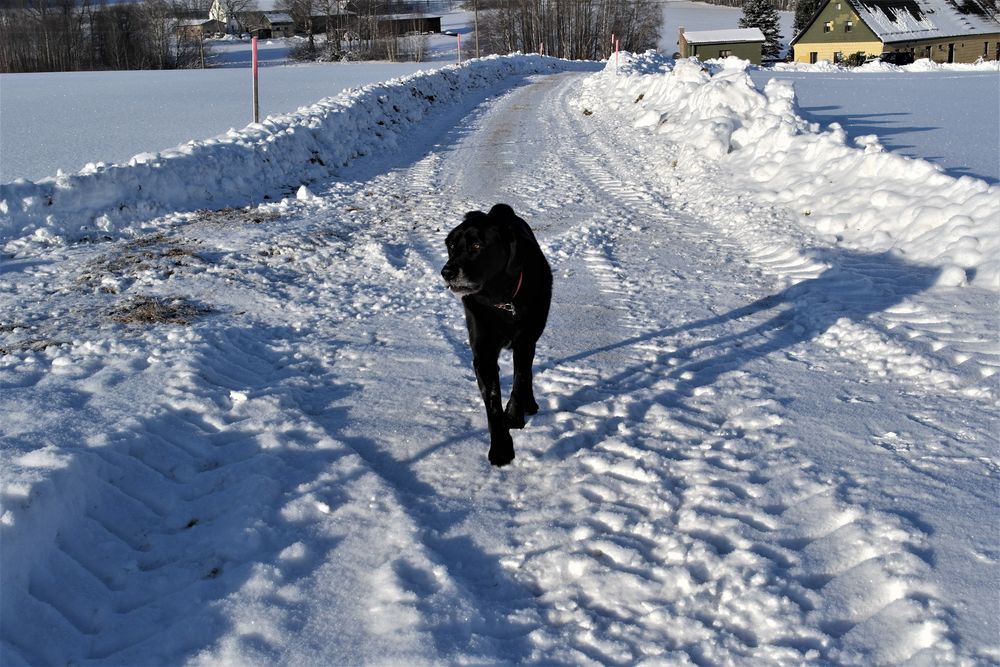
(780, 5)
(575, 29)
(359, 35)
(67, 35)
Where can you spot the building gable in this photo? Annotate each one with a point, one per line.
(744, 43)
(912, 20)
(836, 22)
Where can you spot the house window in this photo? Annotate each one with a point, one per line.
(838, 57)
(849, 26)
(814, 56)
(828, 26)
(725, 53)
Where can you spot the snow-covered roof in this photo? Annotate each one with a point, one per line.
(897, 20)
(278, 17)
(333, 14)
(406, 17)
(724, 36)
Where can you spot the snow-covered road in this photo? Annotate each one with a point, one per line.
(754, 447)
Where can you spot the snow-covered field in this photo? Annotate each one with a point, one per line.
(950, 116)
(127, 113)
(251, 435)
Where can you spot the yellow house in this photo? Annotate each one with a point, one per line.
(944, 31)
(743, 43)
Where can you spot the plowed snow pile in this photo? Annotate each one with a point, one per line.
(857, 197)
(255, 164)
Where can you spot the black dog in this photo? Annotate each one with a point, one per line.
(496, 266)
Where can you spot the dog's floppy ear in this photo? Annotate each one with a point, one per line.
(502, 211)
(506, 222)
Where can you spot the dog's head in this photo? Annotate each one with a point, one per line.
(481, 248)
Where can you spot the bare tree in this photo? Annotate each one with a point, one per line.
(332, 24)
(63, 35)
(576, 29)
(302, 12)
(229, 11)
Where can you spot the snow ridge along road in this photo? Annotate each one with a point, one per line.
(755, 446)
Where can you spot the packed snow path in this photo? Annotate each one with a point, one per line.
(747, 452)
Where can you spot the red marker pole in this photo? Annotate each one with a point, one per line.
(618, 46)
(612, 43)
(459, 49)
(256, 93)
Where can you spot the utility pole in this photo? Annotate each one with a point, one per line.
(475, 8)
(256, 89)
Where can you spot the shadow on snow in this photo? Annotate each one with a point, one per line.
(856, 286)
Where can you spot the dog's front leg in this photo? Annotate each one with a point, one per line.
(522, 395)
(488, 376)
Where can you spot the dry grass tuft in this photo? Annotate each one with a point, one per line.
(144, 309)
(234, 216)
(157, 254)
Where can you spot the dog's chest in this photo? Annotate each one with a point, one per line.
(507, 308)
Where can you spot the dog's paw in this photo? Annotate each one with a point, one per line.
(501, 456)
(517, 410)
(513, 417)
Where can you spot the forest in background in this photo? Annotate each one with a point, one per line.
(575, 29)
(69, 35)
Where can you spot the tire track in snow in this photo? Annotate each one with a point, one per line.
(706, 540)
(138, 560)
(196, 502)
(475, 607)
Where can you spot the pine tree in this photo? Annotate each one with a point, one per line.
(804, 10)
(762, 14)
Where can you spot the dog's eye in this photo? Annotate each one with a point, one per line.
(476, 247)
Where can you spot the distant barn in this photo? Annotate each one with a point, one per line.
(267, 24)
(742, 43)
(199, 28)
(394, 25)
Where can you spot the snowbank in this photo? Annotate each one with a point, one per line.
(858, 197)
(922, 65)
(241, 167)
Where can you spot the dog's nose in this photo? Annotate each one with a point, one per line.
(449, 272)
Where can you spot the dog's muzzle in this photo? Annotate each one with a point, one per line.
(457, 282)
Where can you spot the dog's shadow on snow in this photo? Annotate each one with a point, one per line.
(856, 286)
